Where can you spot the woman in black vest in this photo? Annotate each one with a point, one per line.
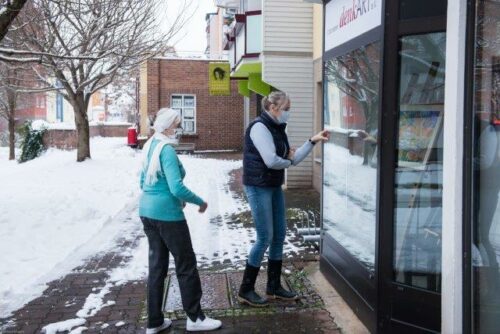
(267, 154)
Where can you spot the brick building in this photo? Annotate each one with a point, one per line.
(209, 122)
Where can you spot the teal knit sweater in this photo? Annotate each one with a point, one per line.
(164, 200)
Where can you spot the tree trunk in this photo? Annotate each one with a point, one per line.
(8, 14)
(371, 116)
(12, 139)
(82, 130)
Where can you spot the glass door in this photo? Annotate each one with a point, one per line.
(351, 113)
(484, 247)
(418, 182)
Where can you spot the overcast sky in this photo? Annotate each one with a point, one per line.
(193, 37)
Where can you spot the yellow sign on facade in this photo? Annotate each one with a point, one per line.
(219, 79)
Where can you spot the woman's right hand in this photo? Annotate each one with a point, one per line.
(291, 154)
(203, 207)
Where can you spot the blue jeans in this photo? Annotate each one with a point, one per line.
(268, 213)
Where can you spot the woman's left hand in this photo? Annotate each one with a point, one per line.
(321, 136)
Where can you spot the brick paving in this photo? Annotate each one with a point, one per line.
(126, 312)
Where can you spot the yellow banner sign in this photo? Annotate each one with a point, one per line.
(219, 79)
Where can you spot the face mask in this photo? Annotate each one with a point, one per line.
(284, 117)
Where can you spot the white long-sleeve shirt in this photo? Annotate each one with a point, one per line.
(263, 141)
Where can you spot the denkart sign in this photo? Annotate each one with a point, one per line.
(347, 19)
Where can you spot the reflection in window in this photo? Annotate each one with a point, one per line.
(418, 175)
(350, 158)
(486, 181)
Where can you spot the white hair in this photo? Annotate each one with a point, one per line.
(165, 118)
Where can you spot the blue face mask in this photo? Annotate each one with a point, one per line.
(284, 117)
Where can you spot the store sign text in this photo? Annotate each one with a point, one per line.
(347, 19)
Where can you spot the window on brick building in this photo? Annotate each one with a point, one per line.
(186, 104)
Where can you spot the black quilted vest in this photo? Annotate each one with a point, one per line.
(255, 171)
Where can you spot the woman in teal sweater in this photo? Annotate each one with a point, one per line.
(161, 210)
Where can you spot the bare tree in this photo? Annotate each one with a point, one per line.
(9, 78)
(86, 44)
(17, 87)
(9, 9)
(356, 74)
(122, 95)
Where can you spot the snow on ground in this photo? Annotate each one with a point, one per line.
(55, 213)
(349, 208)
(62, 326)
(51, 206)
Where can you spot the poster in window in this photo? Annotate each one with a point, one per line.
(417, 135)
(189, 112)
(219, 80)
(189, 126)
(176, 102)
(495, 91)
(189, 101)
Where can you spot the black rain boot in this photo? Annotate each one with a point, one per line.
(274, 288)
(247, 294)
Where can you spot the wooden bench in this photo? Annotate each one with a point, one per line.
(185, 147)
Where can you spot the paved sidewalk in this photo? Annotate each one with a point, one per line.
(95, 305)
(65, 297)
(86, 291)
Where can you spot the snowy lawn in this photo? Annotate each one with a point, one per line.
(55, 213)
(51, 206)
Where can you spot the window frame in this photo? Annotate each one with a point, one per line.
(183, 96)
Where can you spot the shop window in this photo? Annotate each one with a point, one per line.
(486, 169)
(419, 172)
(351, 100)
(186, 104)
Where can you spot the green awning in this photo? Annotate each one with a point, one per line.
(256, 84)
(243, 88)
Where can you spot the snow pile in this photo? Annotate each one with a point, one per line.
(41, 124)
(62, 326)
(94, 303)
(52, 206)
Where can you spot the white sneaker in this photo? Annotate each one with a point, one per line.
(203, 325)
(166, 324)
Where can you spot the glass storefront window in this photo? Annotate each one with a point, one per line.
(418, 174)
(486, 167)
(350, 158)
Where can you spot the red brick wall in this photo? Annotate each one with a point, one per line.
(219, 119)
(63, 139)
(66, 139)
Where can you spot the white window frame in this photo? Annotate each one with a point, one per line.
(183, 96)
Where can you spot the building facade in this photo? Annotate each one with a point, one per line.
(270, 46)
(209, 122)
(410, 177)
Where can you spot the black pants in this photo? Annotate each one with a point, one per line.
(173, 237)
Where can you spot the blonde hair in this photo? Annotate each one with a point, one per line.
(277, 98)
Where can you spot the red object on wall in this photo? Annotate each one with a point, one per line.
(132, 137)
